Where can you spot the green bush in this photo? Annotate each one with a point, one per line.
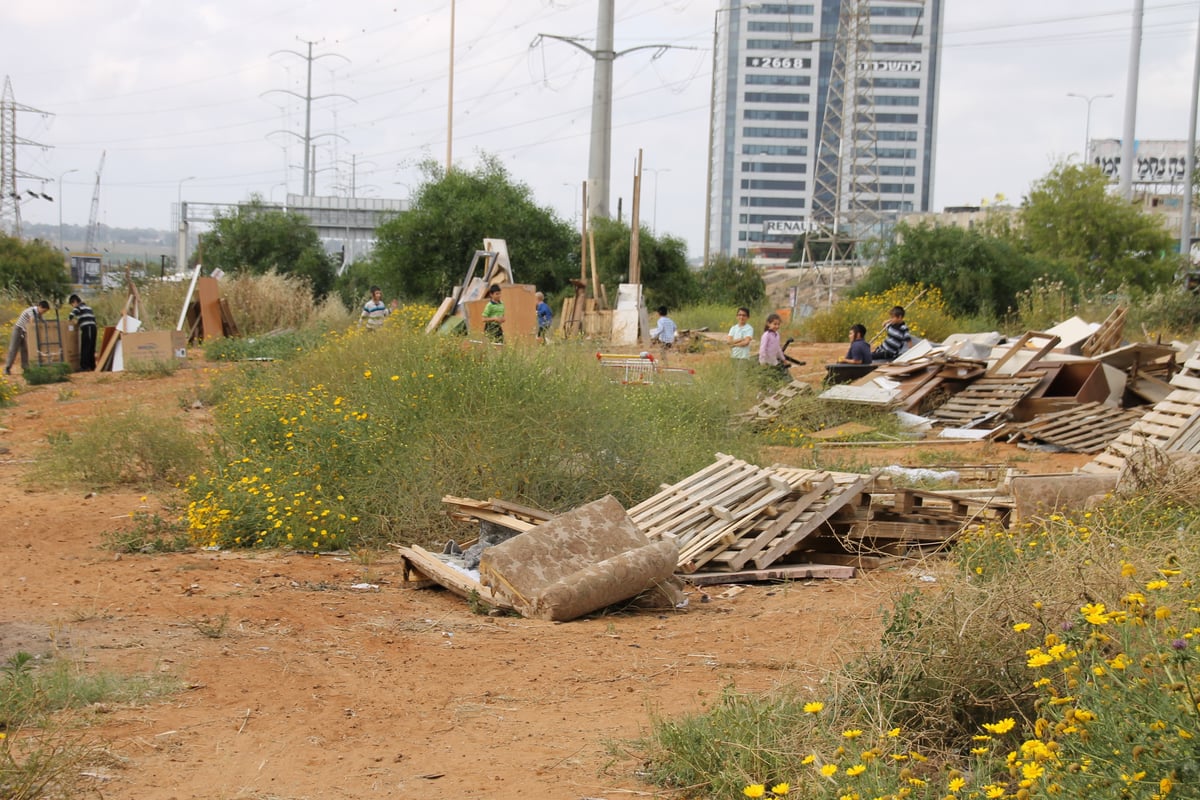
(926, 314)
(57, 372)
(136, 447)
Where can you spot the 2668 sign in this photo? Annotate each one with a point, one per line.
(778, 62)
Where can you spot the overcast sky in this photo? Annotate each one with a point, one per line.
(180, 96)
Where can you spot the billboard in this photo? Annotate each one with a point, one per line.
(787, 227)
(1156, 161)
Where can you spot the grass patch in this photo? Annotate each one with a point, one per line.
(40, 757)
(275, 346)
(356, 442)
(152, 367)
(8, 392)
(137, 448)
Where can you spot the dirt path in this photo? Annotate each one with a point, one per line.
(324, 678)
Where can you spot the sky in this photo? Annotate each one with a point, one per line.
(198, 101)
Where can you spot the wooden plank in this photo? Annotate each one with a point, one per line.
(721, 462)
(903, 531)
(208, 294)
(418, 561)
(791, 572)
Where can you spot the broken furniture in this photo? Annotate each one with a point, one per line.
(640, 368)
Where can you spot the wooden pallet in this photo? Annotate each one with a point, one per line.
(767, 410)
(987, 399)
(1155, 429)
(1108, 336)
(1087, 428)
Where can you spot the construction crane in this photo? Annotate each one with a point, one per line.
(93, 219)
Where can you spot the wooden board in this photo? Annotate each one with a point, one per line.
(1157, 426)
(789, 572)
(208, 295)
(421, 566)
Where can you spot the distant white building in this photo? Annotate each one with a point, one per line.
(772, 69)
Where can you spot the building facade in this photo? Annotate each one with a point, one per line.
(773, 65)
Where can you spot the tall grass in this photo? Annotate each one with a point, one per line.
(926, 314)
(357, 442)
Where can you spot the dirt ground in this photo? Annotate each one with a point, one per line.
(326, 678)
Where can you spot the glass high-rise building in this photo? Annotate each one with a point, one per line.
(772, 70)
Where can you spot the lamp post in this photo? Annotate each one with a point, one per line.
(181, 243)
(1087, 129)
(60, 205)
(654, 208)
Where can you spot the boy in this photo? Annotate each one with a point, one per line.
(896, 337)
(860, 351)
(493, 315)
(16, 344)
(664, 331)
(374, 310)
(85, 318)
(544, 316)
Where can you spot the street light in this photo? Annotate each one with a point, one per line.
(181, 239)
(654, 217)
(1087, 130)
(60, 205)
(712, 124)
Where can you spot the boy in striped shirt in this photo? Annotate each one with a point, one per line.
(85, 318)
(16, 344)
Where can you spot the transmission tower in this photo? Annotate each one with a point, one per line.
(846, 200)
(10, 198)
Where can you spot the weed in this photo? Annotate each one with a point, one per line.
(65, 394)
(211, 628)
(152, 367)
(151, 533)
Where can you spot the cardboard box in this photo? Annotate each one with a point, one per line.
(150, 346)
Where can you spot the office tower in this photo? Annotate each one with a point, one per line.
(774, 64)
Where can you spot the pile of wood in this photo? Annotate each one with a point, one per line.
(1072, 388)
(736, 522)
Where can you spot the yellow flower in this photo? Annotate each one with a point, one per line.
(894, 733)
(994, 791)
(1003, 726)
(1162, 612)
(857, 769)
(808, 759)
(853, 733)
(754, 790)
(1154, 586)
(829, 770)
(367, 373)
(956, 784)
(814, 707)
(780, 789)
(1021, 626)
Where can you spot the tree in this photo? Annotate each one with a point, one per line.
(1071, 217)
(731, 281)
(666, 278)
(32, 270)
(258, 239)
(975, 272)
(424, 252)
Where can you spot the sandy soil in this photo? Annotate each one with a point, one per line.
(325, 678)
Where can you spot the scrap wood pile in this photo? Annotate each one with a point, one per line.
(730, 522)
(1073, 388)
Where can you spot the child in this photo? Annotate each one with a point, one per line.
(493, 315)
(374, 311)
(896, 339)
(664, 331)
(544, 317)
(740, 337)
(770, 353)
(860, 351)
